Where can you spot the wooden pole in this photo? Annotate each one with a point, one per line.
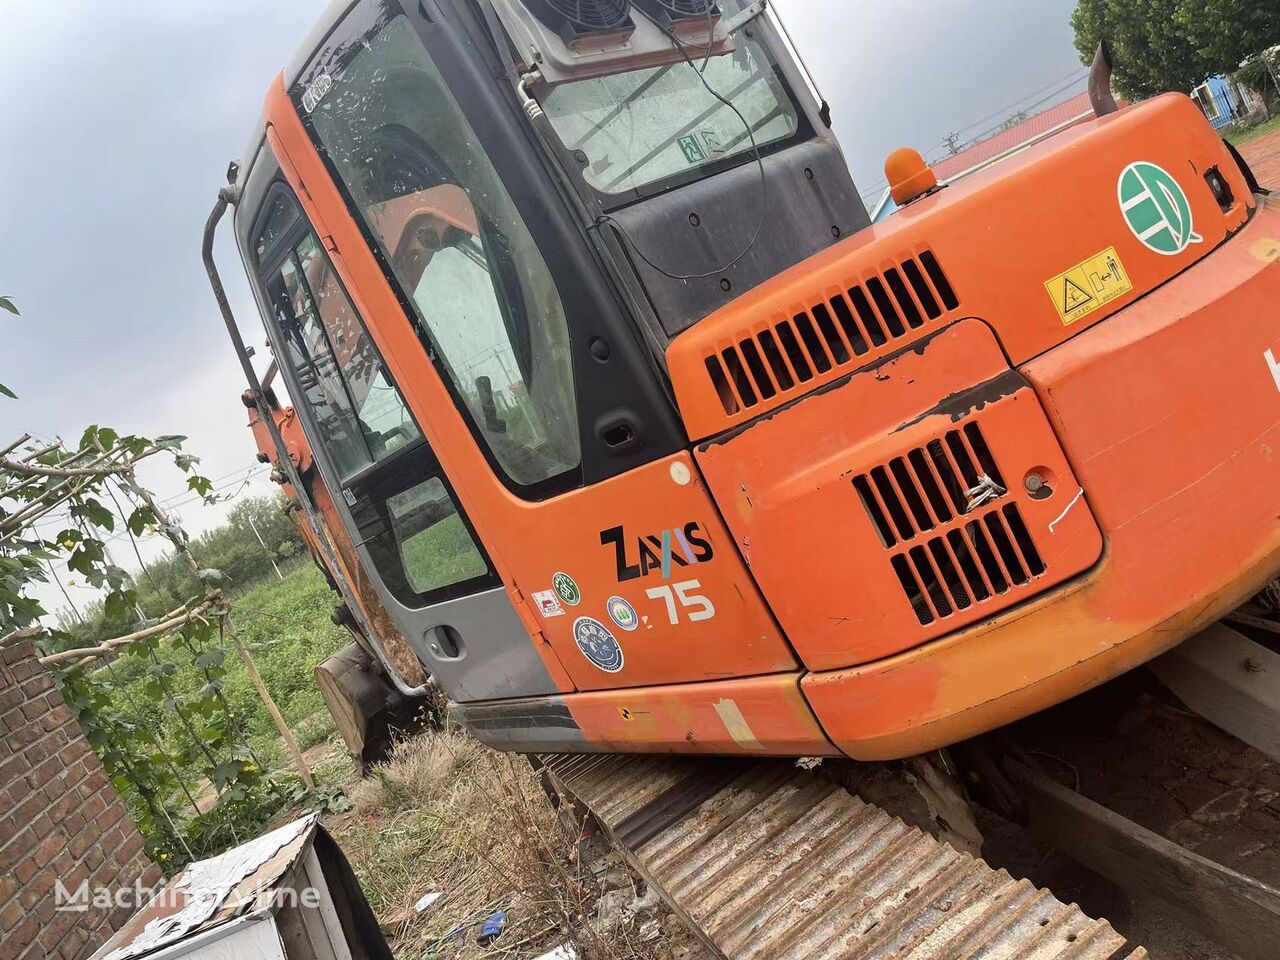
(285, 733)
(215, 596)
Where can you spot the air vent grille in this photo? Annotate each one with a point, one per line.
(977, 546)
(984, 558)
(847, 329)
(930, 485)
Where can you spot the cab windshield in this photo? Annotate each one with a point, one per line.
(640, 127)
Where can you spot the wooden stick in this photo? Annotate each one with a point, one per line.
(1238, 912)
(285, 733)
(129, 481)
(1248, 620)
(15, 445)
(110, 646)
(32, 469)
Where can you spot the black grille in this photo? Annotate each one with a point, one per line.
(667, 11)
(983, 558)
(848, 328)
(572, 18)
(929, 486)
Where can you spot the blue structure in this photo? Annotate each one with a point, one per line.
(1223, 101)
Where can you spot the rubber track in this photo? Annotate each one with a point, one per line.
(765, 861)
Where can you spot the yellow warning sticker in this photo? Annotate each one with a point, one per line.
(1088, 285)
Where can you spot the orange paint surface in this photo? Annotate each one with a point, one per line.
(1170, 415)
(998, 236)
(901, 442)
(764, 716)
(530, 542)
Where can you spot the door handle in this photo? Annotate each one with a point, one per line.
(445, 642)
(618, 430)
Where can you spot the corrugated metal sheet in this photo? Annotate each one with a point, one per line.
(1024, 132)
(769, 862)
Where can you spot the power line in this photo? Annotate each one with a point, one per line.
(1059, 85)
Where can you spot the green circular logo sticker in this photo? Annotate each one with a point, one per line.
(566, 589)
(1156, 208)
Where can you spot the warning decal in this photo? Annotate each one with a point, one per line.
(1088, 285)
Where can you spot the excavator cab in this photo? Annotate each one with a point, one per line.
(638, 436)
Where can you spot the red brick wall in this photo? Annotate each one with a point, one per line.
(59, 818)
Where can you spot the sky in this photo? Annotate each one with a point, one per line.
(117, 121)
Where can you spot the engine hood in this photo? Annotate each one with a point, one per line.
(1041, 247)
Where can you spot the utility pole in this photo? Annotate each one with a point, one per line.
(253, 526)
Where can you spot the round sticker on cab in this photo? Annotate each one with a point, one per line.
(566, 588)
(622, 613)
(597, 644)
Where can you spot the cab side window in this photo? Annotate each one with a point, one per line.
(481, 295)
(422, 546)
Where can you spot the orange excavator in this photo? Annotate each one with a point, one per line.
(618, 425)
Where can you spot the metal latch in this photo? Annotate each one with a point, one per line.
(983, 492)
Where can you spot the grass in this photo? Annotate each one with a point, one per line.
(286, 626)
(446, 814)
(1241, 137)
(442, 554)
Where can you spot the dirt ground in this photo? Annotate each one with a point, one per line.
(1132, 746)
(1263, 155)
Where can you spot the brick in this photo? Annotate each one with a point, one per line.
(37, 888)
(41, 683)
(35, 708)
(10, 697)
(132, 845)
(42, 826)
(94, 806)
(15, 850)
(113, 815)
(81, 843)
(45, 772)
(13, 720)
(11, 915)
(19, 650)
(22, 737)
(28, 808)
(25, 670)
(61, 808)
(27, 869)
(11, 768)
(10, 827)
(51, 847)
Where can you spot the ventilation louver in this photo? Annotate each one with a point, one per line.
(848, 329)
(574, 20)
(979, 547)
(671, 13)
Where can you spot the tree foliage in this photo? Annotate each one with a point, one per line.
(89, 494)
(1160, 45)
(231, 548)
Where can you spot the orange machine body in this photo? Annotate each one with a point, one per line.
(929, 489)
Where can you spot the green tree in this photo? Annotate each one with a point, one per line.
(1226, 33)
(1150, 48)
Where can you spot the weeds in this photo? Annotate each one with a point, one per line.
(446, 814)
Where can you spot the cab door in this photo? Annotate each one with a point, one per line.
(434, 577)
(513, 353)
